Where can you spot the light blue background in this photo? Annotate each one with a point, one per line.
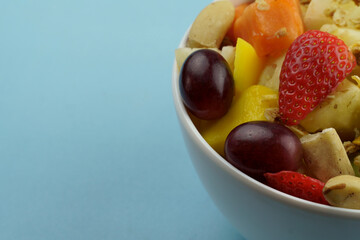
(90, 147)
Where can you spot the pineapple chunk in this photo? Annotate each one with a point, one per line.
(228, 52)
(341, 110)
(316, 14)
(247, 66)
(304, 4)
(249, 106)
(270, 76)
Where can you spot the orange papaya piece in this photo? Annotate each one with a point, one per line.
(270, 26)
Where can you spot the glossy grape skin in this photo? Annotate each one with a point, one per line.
(206, 84)
(259, 147)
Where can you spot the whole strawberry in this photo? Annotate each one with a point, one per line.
(314, 65)
(297, 185)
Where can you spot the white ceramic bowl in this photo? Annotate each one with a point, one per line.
(256, 210)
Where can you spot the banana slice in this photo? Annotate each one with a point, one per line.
(343, 191)
(325, 156)
(340, 110)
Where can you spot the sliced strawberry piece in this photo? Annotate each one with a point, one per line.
(314, 65)
(297, 185)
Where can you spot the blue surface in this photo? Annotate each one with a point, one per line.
(90, 147)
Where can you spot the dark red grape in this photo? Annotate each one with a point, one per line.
(206, 84)
(259, 147)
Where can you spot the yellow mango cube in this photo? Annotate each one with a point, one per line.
(247, 66)
(249, 106)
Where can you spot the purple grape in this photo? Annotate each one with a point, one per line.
(259, 147)
(206, 84)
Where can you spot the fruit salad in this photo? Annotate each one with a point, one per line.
(273, 86)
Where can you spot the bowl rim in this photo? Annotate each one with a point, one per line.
(274, 194)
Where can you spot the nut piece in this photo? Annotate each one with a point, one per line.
(211, 25)
(343, 191)
(339, 17)
(355, 49)
(329, 12)
(281, 32)
(351, 147)
(325, 155)
(262, 5)
(355, 21)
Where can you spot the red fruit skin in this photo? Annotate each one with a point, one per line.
(297, 185)
(314, 65)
